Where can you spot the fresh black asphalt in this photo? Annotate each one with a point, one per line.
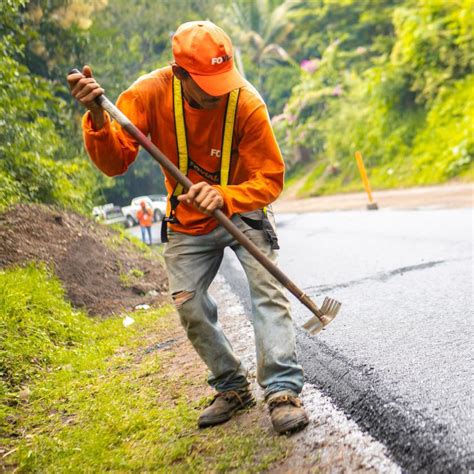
(398, 358)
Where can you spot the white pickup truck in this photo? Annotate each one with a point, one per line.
(156, 202)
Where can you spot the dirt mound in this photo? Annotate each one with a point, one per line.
(101, 271)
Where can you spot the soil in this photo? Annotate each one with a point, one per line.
(102, 273)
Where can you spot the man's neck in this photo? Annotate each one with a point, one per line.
(191, 101)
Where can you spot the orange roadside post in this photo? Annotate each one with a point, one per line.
(365, 180)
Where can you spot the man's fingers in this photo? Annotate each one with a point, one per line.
(215, 203)
(73, 78)
(193, 191)
(81, 84)
(90, 97)
(209, 204)
(87, 71)
(87, 90)
(203, 194)
(190, 195)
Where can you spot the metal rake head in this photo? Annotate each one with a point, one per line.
(325, 315)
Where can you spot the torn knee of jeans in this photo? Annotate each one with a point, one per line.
(181, 297)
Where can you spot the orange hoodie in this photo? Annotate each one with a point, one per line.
(257, 168)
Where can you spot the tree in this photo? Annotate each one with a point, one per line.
(395, 82)
(258, 29)
(36, 161)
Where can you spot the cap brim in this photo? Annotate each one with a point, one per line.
(219, 84)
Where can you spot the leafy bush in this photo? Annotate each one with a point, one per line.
(445, 147)
(39, 161)
(34, 158)
(408, 110)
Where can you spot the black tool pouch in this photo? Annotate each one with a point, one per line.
(270, 233)
(263, 224)
(171, 219)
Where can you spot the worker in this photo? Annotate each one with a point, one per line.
(145, 219)
(212, 124)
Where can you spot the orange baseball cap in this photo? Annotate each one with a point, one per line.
(205, 51)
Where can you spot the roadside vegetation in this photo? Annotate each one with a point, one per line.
(392, 79)
(87, 395)
(96, 372)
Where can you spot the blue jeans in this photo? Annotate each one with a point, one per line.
(192, 263)
(145, 231)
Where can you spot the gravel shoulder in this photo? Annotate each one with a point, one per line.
(456, 195)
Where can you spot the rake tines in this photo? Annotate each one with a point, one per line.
(324, 316)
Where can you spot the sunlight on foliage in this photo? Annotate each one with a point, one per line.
(406, 104)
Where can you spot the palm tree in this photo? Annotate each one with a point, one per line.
(259, 28)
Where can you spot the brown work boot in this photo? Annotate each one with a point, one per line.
(287, 413)
(224, 406)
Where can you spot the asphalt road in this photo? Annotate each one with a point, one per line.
(398, 357)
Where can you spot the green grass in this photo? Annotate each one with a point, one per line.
(132, 275)
(396, 174)
(83, 395)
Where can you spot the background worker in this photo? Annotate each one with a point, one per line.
(215, 127)
(145, 219)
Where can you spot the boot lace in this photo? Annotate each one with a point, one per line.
(229, 396)
(284, 400)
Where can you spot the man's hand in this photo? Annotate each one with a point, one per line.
(85, 89)
(204, 197)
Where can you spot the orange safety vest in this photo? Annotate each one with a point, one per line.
(145, 217)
